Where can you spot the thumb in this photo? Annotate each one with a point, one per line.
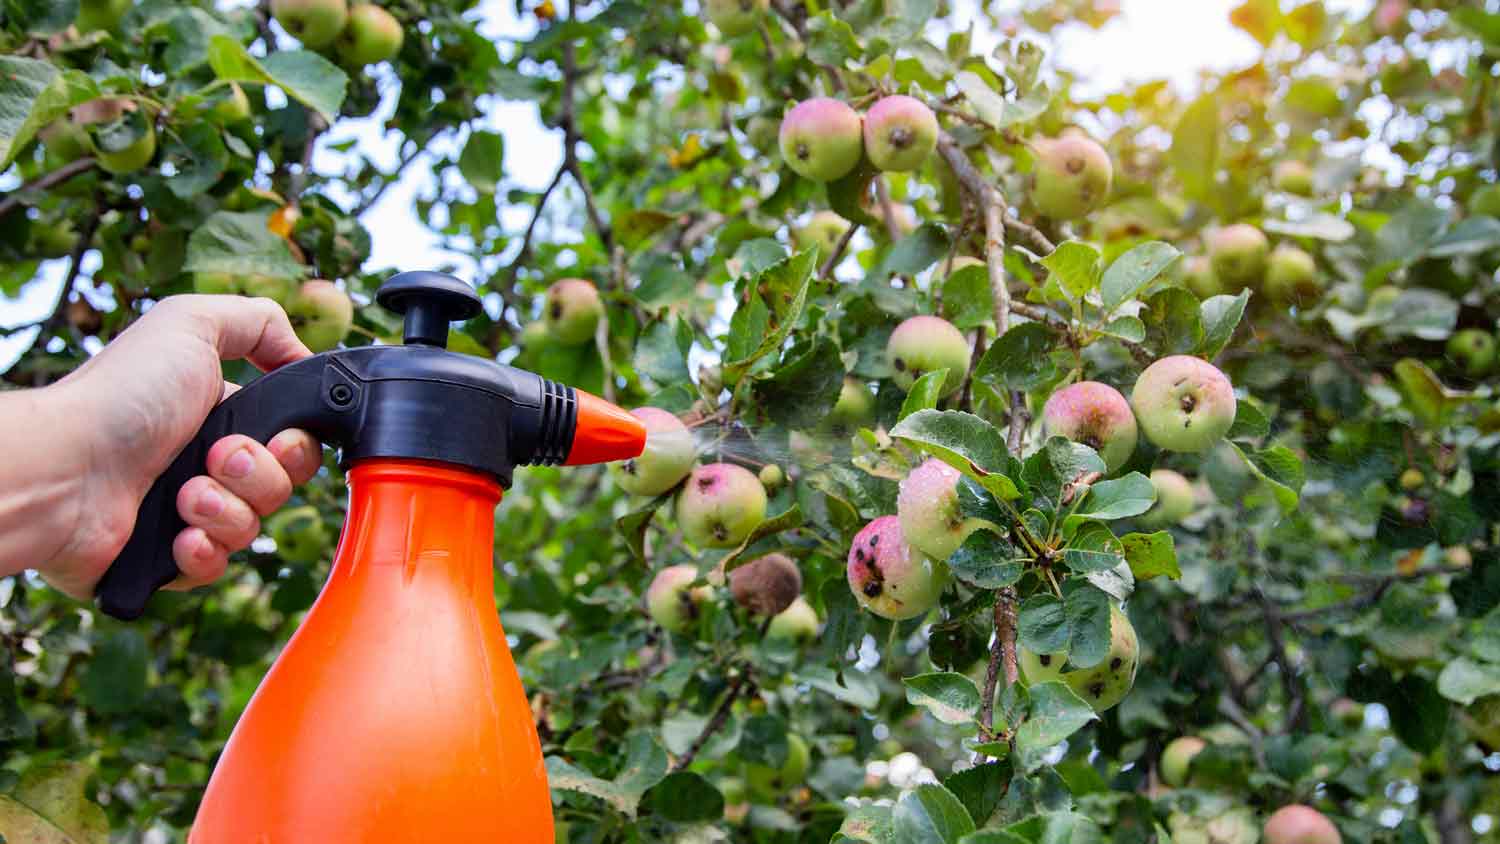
(256, 330)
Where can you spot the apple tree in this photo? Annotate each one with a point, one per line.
(1029, 463)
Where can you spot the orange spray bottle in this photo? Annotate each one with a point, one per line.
(395, 712)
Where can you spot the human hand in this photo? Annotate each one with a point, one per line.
(131, 408)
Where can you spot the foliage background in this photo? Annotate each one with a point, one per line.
(1285, 603)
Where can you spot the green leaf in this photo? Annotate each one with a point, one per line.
(1131, 495)
(1056, 713)
(1429, 400)
(240, 243)
(1249, 423)
(1058, 463)
(198, 155)
(1419, 714)
(1220, 316)
(857, 689)
(987, 560)
(995, 109)
(1421, 313)
(306, 76)
(1087, 611)
(867, 822)
(981, 788)
(966, 298)
(645, 766)
(791, 518)
(482, 161)
(633, 525)
(930, 814)
(638, 225)
(50, 806)
(1042, 625)
(662, 281)
(661, 352)
(1071, 828)
(685, 797)
(949, 697)
(924, 393)
(831, 41)
(915, 252)
(846, 195)
(1075, 266)
(1151, 555)
(804, 388)
(1280, 469)
(33, 93)
(787, 282)
(1093, 549)
(1133, 271)
(1021, 359)
(1464, 680)
(1194, 154)
(763, 741)
(115, 679)
(1481, 23)
(1471, 236)
(1172, 322)
(965, 442)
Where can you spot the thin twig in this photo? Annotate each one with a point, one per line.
(887, 208)
(838, 251)
(388, 179)
(715, 723)
(1289, 687)
(569, 124)
(56, 177)
(315, 127)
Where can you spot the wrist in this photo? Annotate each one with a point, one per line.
(43, 480)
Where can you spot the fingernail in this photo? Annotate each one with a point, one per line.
(210, 503)
(205, 549)
(239, 464)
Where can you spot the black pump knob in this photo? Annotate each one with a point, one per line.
(430, 302)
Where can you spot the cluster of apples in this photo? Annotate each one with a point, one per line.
(824, 139)
(356, 35)
(1291, 824)
(1240, 257)
(717, 506)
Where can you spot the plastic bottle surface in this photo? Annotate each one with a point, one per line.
(395, 712)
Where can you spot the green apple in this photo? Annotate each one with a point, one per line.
(1177, 757)
(773, 783)
(572, 311)
(371, 36)
(321, 314)
(316, 23)
(672, 601)
(1472, 350)
(1102, 685)
(125, 144)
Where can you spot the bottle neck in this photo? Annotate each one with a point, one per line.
(420, 519)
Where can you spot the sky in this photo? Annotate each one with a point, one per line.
(1151, 39)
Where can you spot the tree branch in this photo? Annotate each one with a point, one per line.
(45, 181)
(838, 251)
(716, 722)
(571, 138)
(1289, 686)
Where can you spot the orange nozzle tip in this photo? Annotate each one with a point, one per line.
(605, 433)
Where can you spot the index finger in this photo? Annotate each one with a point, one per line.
(255, 329)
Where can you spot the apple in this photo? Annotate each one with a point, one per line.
(888, 576)
(1102, 685)
(1297, 824)
(666, 460)
(371, 36)
(1073, 175)
(572, 311)
(766, 585)
(900, 133)
(927, 505)
(773, 783)
(736, 17)
(1096, 415)
(321, 314)
(1292, 277)
(1349, 712)
(1198, 275)
(1174, 499)
(1178, 757)
(672, 601)
(823, 230)
(923, 344)
(1183, 403)
(65, 141)
(1239, 255)
(821, 139)
(1293, 177)
(797, 623)
(854, 409)
(125, 143)
(233, 106)
(771, 477)
(316, 23)
(1472, 350)
(720, 504)
(300, 534)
